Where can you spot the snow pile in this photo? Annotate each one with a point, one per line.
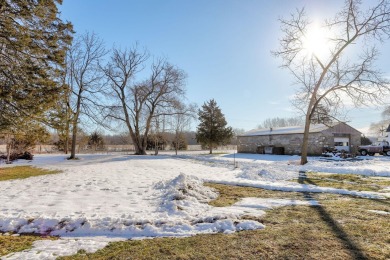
(186, 196)
(186, 188)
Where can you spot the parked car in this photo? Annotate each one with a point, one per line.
(382, 148)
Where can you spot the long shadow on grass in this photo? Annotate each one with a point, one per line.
(340, 233)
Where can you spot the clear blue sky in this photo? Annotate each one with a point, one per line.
(223, 45)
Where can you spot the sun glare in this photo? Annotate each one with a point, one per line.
(316, 41)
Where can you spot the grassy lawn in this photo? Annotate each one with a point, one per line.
(22, 172)
(341, 228)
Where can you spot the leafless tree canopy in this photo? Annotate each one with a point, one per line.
(378, 129)
(281, 122)
(346, 71)
(180, 122)
(137, 103)
(84, 79)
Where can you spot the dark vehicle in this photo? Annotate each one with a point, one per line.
(382, 148)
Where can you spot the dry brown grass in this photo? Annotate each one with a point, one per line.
(347, 181)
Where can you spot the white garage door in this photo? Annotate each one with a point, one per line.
(341, 143)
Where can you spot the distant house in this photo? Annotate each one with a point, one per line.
(288, 140)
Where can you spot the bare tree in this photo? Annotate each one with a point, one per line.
(137, 104)
(84, 79)
(281, 122)
(330, 76)
(378, 129)
(180, 121)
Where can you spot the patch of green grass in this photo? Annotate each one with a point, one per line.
(341, 228)
(11, 244)
(347, 181)
(22, 172)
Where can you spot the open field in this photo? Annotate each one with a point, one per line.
(101, 199)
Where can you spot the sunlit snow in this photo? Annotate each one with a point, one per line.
(102, 198)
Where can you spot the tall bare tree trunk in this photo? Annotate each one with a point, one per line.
(73, 146)
(305, 141)
(74, 127)
(85, 79)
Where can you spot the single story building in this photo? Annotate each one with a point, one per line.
(288, 140)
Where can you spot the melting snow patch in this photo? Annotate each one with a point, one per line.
(380, 212)
(51, 249)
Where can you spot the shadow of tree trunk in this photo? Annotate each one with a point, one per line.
(340, 233)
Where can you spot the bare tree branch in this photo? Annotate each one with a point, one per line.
(325, 83)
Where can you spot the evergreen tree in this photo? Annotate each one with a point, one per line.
(33, 44)
(212, 130)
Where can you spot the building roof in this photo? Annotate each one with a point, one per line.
(286, 130)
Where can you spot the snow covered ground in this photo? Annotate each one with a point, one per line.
(101, 198)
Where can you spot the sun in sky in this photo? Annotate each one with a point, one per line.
(316, 40)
